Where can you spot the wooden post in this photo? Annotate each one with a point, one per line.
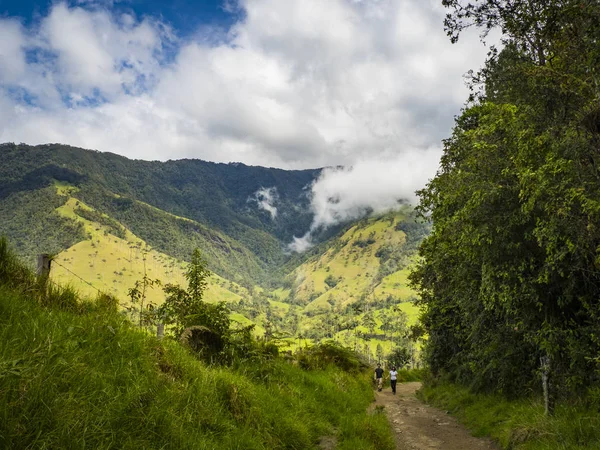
(548, 400)
(160, 330)
(43, 265)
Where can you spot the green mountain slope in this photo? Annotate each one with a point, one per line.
(111, 259)
(110, 220)
(218, 196)
(352, 289)
(366, 264)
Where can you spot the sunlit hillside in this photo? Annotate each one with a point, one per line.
(350, 292)
(356, 291)
(112, 259)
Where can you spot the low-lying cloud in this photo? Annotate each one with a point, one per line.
(370, 186)
(265, 199)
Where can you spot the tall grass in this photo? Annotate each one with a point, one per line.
(518, 424)
(85, 377)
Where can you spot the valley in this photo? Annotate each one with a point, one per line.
(351, 287)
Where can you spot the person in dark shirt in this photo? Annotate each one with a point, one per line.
(379, 377)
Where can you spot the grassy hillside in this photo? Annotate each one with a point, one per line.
(111, 259)
(356, 269)
(355, 289)
(349, 271)
(79, 375)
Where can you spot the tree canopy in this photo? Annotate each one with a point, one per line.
(511, 270)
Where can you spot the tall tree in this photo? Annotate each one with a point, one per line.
(511, 272)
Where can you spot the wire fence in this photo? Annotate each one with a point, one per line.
(77, 276)
(101, 292)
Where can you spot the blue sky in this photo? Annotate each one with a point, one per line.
(185, 16)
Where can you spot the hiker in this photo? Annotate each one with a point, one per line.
(379, 377)
(393, 378)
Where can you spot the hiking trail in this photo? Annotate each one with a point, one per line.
(421, 427)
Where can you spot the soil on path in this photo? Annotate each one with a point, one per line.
(421, 427)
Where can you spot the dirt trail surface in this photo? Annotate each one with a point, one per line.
(421, 427)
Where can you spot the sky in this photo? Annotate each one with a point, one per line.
(371, 85)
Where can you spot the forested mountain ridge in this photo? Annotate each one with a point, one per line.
(221, 197)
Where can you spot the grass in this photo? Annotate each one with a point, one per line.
(87, 378)
(518, 424)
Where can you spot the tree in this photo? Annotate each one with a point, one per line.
(509, 274)
(379, 352)
(368, 321)
(205, 327)
(399, 357)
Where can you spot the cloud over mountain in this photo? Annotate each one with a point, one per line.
(369, 186)
(265, 199)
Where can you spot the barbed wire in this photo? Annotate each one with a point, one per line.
(77, 276)
(123, 304)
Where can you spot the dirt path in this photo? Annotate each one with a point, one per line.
(421, 427)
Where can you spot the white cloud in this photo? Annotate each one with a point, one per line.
(301, 244)
(370, 186)
(300, 83)
(12, 58)
(368, 84)
(265, 199)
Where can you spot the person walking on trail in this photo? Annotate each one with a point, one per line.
(379, 377)
(393, 378)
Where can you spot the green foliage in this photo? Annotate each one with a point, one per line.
(408, 375)
(204, 327)
(329, 353)
(331, 281)
(399, 357)
(104, 382)
(196, 276)
(518, 424)
(29, 219)
(13, 272)
(114, 227)
(510, 271)
(137, 294)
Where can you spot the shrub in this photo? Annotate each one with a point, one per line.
(330, 354)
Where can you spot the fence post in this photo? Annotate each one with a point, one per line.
(43, 265)
(160, 330)
(546, 386)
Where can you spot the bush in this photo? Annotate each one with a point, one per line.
(327, 354)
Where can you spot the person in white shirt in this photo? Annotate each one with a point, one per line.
(393, 378)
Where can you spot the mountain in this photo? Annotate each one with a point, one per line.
(111, 221)
(354, 289)
(213, 206)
